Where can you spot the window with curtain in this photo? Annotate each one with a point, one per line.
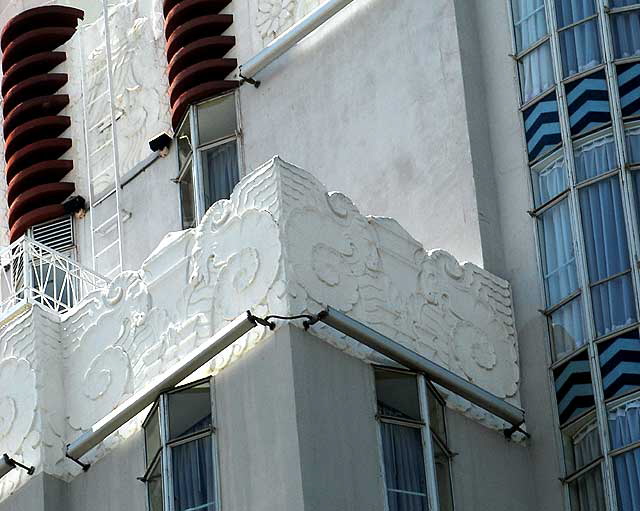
(624, 435)
(579, 35)
(179, 433)
(208, 156)
(625, 29)
(410, 472)
(607, 255)
(595, 156)
(583, 456)
(549, 179)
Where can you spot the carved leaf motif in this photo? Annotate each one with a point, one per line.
(18, 403)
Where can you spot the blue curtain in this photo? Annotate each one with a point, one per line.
(193, 476)
(559, 259)
(580, 48)
(536, 72)
(549, 181)
(529, 22)
(605, 240)
(633, 145)
(220, 172)
(595, 157)
(570, 11)
(624, 429)
(404, 468)
(626, 34)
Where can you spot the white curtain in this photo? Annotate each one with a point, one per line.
(529, 21)
(580, 48)
(626, 34)
(624, 429)
(595, 157)
(193, 476)
(633, 145)
(536, 72)
(566, 325)
(220, 172)
(549, 181)
(588, 489)
(404, 468)
(559, 259)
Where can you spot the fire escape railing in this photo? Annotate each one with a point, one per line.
(34, 273)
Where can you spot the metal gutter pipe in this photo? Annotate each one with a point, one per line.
(420, 364)
(291, 37)
(145, 397)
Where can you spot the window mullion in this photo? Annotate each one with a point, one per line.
(429, 458)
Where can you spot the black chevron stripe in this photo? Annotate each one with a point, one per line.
(612, 390)
(580, 402)
(548, 141)
(591, 117)
(541, 120)
(587, 96)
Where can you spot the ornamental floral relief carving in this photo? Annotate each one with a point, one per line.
(274, 17)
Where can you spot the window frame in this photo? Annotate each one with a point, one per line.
(427, 434)
(198, 148)
(165, 453)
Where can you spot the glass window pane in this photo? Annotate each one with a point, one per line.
(588, 103)
(574, 392)
(436, 415)
(193, 476)
(220, 172)
(443, 477)
(566, 328)
(633, 145)
(613, 304)
(189, 411)
(620, 365)
(603, 227)
(216, 119)
(186, 199)
(580, 48)
(624, 424)
(404, 467)
(397, 394)
(626, 467)
(529, 22)
(558, 257)
(570, 11)
(585, 447)
(549, 180)
(152, 436)
(154, 488)
(623, 3)
(625, 28)
(184, 142)
(536, 72)
(595, 157)
(587, 492)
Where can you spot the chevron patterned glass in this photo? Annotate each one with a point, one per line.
(588, 103)
(574, 392)
(542, 126)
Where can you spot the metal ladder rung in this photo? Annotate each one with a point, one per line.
(105, 119)
(98, 98)
(106, 222)
(106, 144)
(102, 172)
(107, 248)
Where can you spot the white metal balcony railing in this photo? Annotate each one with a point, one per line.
(34, 273)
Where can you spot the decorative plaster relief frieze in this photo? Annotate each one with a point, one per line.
(282, 244)
(275, 16)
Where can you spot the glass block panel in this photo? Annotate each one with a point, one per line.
(588, 103)
(542, 126)
(189, 411)
(404, 467)
(580, 48)
(529, 22)
(152, 436)
(620, 365)
(559, 263)
(549, 180)
(587, 492)
(193, 476)
(595, 156)
(625, 29)
(536, 72)
(574, 393)
(629, 89)
(604, 229)
(397, 394)
(571, 11)
(613, 304)
(566, 328)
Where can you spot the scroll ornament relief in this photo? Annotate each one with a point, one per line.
(276, 16)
